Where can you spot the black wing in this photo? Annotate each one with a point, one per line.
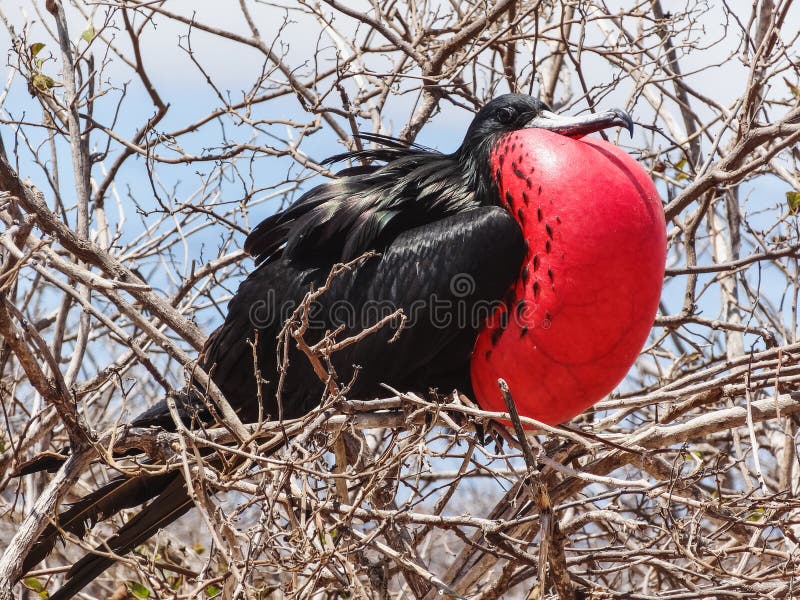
(367, 207)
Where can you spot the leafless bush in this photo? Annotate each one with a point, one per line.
(140, 138)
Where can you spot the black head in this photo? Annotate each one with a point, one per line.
(511, 112)
(518, 111)
(502, 115)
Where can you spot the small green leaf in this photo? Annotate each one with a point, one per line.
(756, 515)
(792, 88)
(212, 590)
(793, 201)
(679, 173)
(36, 48)
(267, 591)
(33, 584)
(138, 590)
(88, 35)
(42, 82)
(199, 548)
(175, 582)
(689, 456)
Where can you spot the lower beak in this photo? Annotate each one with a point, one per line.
(576, 127)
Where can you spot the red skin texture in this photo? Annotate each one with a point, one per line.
(596, 238)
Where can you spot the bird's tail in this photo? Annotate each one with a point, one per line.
(171, 502)
(167, 490)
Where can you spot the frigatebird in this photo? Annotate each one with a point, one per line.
(430, 220)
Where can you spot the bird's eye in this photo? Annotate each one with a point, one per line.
(506, 115)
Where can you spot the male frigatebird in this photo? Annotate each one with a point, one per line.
(456, 230)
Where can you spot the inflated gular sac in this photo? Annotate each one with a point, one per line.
(582, 308)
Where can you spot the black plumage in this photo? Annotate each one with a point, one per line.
(432, 219)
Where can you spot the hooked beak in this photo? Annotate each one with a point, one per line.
(577, 127)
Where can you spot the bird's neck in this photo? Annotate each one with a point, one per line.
(475, 160)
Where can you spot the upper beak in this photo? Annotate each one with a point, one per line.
(576, 127)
